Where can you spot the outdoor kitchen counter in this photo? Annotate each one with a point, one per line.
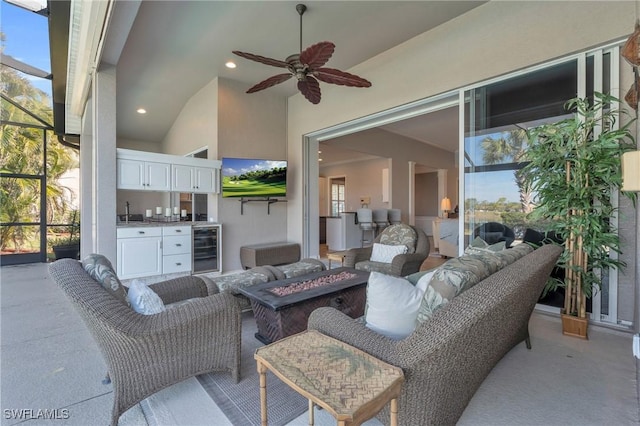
(147, 224)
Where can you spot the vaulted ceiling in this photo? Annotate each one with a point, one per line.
(174, 48)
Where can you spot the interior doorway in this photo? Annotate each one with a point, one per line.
(388, 122)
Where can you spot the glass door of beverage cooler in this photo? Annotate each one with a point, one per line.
(206, 248)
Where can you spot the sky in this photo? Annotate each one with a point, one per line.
(27, 39)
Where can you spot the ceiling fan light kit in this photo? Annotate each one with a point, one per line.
(307, 67)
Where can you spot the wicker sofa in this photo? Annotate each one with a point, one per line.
(447, 357)
(147, 353)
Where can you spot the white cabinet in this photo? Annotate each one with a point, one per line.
(206, 179)
(139, 252)
(145, 251)
(143, 175)
(193, 179)
(343, 233)
(139, 170)
(176, 249)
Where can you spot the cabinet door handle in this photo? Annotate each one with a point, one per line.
(178, 264)
(178, 230)
(178, 245)
(140, 232)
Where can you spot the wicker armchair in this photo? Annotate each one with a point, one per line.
(402, 264)
(147, 353)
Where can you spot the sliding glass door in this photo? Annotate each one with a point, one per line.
(494, 144)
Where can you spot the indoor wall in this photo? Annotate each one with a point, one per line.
(363, 179)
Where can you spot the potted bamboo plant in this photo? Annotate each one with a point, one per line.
(573, 167)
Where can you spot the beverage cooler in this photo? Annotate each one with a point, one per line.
(206, 248)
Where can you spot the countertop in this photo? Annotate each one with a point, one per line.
(147, 224)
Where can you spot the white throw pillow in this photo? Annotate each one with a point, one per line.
(144, 300)
(392, 305)
(385, 253)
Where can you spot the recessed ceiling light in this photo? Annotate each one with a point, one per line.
(319, 152)
(230, 64)
(319, 159)
(141, 111)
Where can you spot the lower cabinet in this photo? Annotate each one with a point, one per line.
(139, 252)
(176, 249)
(153, 250)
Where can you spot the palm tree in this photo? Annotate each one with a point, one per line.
(510, 146)
(21, 152)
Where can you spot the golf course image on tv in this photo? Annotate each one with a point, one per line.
(250, 177)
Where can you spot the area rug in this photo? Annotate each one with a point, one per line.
(240, 402)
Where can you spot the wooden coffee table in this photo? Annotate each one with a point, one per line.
(348, 383)
(281, 316)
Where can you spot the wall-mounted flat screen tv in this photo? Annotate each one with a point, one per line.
(250, 177)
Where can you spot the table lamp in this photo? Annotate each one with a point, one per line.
(445, 206)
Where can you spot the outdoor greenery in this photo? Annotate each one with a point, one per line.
(21, 152)
(69, 234)
(573, 166)
(510, 146)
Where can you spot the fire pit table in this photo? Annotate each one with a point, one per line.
(282, 308)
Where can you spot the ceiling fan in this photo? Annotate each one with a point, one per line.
(307, 68)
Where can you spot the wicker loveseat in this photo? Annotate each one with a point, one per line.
(447, 357)
(402, 264)
(146, 353)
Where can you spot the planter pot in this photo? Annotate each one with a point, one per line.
(70, 251)
(574, 326)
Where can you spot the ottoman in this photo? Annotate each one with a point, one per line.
(269, 254)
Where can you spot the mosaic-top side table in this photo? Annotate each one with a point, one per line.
(348, 383)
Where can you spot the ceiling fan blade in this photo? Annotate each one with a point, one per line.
(262, 59)
(333, 76)
(317, 55)
(310, 88)
(271, 81)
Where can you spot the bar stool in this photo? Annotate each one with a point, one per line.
(365, 222)
(395, 216)
(381, 219)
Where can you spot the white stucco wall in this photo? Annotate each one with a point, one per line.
(231, 123)
(362, 179)
(250, 126)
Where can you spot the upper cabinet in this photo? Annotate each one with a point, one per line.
(194, 179)
(161, 172)
(143, 175)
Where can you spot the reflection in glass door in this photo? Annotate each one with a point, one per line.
(494, 148)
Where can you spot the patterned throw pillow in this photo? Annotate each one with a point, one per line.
(232, 282)
(479, 246)
(143, 300)
(101, 270)
(454, 277)
(400, 234)
(514, 253)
